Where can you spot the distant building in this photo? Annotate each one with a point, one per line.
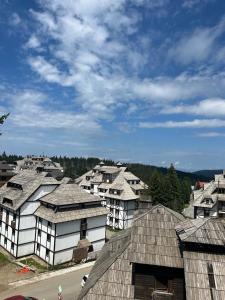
(40, 164)
(161, 257)
(6, 172)
(119, 190)
(53, 219)
(209, 201)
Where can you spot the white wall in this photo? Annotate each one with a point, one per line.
(64, 256)
(25, 249)
(96, 234)
(96, 221)
(67, 227)
(67, 241)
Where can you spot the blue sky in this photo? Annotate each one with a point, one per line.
(131, 80)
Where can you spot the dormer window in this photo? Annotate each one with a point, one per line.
(14, 185)
(7, 201)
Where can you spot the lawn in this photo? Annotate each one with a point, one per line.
(34, 264)
(3, 259)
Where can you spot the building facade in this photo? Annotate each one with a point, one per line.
(30, 223)
(118, 189)
(209, 201)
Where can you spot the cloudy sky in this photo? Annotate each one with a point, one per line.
(131, 80)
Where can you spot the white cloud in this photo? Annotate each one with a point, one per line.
(33, 43)
(197, 123)
(211, 134)
(28, 110)
(14, 19)
(207, 107)
(197, 46)
(192, 3)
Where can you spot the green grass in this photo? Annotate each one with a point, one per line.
(3, 259)
(33, 263)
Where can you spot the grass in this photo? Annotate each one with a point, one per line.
(3, 259)
(34, 264)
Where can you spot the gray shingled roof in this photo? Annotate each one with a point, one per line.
(202, 231)
(151, 240)
(30, 181)
(65, 216)
(69, 194)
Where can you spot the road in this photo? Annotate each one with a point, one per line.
(48, 289)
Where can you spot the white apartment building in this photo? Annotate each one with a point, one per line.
(119, 190)
(209, 201)
(50, 227)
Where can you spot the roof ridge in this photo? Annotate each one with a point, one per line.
(205, 220)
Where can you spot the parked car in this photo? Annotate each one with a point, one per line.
(84, 279)
(19, 297)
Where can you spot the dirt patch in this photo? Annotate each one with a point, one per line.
(10, 272)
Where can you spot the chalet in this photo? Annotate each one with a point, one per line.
(67, 219)
(119, 190)
(161, 257)
(209, 201)
(40, 164)
(55, 220)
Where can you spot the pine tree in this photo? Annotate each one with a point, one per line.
(156, 188)
(175, 200)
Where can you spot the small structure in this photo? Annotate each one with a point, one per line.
(40, 164)
(209, 201)
(162, 256)
(119, 189)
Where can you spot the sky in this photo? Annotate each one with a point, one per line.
(129, 80)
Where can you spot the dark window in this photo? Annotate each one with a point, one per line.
(48, 237)
(14, 217)
(38, 247)
(13, 232)
(12, 246)
(211, 276)
(47, 252)
(5, 240)
(117, 202)
(39, 232)
(6, 227)
(110, 219)
(49, 224)
(90, 249)
(116, 221)
(40, 221)
(83, 234)
(206, 213)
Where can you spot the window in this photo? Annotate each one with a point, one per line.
(211, 276)
(117, 202)
(110, 219)
(47, 252)
(40, 221)
(39, 232)
(12, 246)
(116, 221)
(38, 247)
(90, 249)
(5, 241)
(49, 224)
(6, 227)
(14, 217)
(48, 237)
(83, 234)
(13, 232)
(206, 213)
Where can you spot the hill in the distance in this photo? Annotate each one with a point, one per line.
(208, 173)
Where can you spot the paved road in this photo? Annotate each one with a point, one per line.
(48, 289)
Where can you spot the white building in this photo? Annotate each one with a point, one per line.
(119, 190)
(209, 201)
(40, 164)
(50, 227)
